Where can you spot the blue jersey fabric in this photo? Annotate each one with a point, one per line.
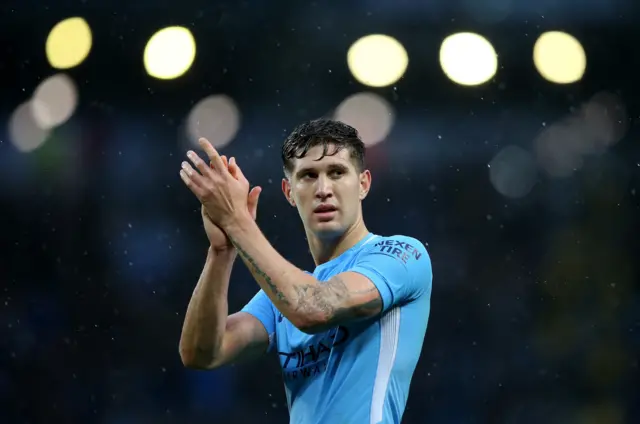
(358, 373)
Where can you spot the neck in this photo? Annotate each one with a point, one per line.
(327, 248)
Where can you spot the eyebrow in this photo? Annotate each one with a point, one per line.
(331, 167)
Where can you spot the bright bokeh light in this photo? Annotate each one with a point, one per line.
(215, 118)
(559, 57)
(24, 132)
(54, 101)
(68, 43)
(468, 59)
(170, 53)
(513, 172)
(368, 113)
(377, 60)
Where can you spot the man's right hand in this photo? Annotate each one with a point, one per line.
(217, 237)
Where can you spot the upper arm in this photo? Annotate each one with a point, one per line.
(248, 333)
(345, 297)
(244, 338)
(391, 272)
(400, 269)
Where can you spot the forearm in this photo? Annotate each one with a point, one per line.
(205, 320)
(297, 295)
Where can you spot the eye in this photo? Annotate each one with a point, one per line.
(336, 173)
(307, 175)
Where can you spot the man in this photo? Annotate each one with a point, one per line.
(349, 334)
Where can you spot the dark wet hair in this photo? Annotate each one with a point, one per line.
(333, 136)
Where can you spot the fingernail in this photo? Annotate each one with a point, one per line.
(190, 154)
(232, 160)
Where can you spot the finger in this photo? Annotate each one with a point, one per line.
(190, 184)
(216, 161)
(225, 162)
(252, 202)
(199, 163)
(254, 194)
(193, 175)
(235, 170)
(207, 147)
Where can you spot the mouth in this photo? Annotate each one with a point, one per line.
(324, 209)
(325, 212)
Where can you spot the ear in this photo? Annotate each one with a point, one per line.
(365, 183)
(286, 189)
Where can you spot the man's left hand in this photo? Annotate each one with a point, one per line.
(223, 191)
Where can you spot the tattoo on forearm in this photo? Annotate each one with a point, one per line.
(260, 273)
(327, 298)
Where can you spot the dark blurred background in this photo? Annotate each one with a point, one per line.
(521, 176)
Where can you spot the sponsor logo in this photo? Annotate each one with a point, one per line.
(400, 250)
(312, 359)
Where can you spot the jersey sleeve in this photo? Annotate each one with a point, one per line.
(262, 308)
(399, 267)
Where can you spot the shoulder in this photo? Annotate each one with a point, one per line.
(399, 245)
(407, 251)
(403, 261)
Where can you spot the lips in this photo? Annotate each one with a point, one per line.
(324, 208)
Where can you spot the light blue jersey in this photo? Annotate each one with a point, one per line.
(358, 373)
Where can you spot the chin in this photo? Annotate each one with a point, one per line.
(329, 229)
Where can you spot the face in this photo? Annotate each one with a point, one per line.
(327, 192)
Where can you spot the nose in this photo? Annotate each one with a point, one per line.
(323, 188)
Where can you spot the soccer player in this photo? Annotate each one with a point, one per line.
(348, 335)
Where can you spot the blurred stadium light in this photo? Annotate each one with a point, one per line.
(69, 43)
(215, 118)
(606, 120)
(24, 132)
(591, 129)
(377, 60)
(54, 101)
(369, 113)
(169, 53)
(513, 172)
(556, 150)
(468, 59)
(559, 57)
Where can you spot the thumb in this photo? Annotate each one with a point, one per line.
(205, 214)
(252, 201)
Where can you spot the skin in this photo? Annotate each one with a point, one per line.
(332, 180)
(218, 240)
(210, 337)
(311, 305)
